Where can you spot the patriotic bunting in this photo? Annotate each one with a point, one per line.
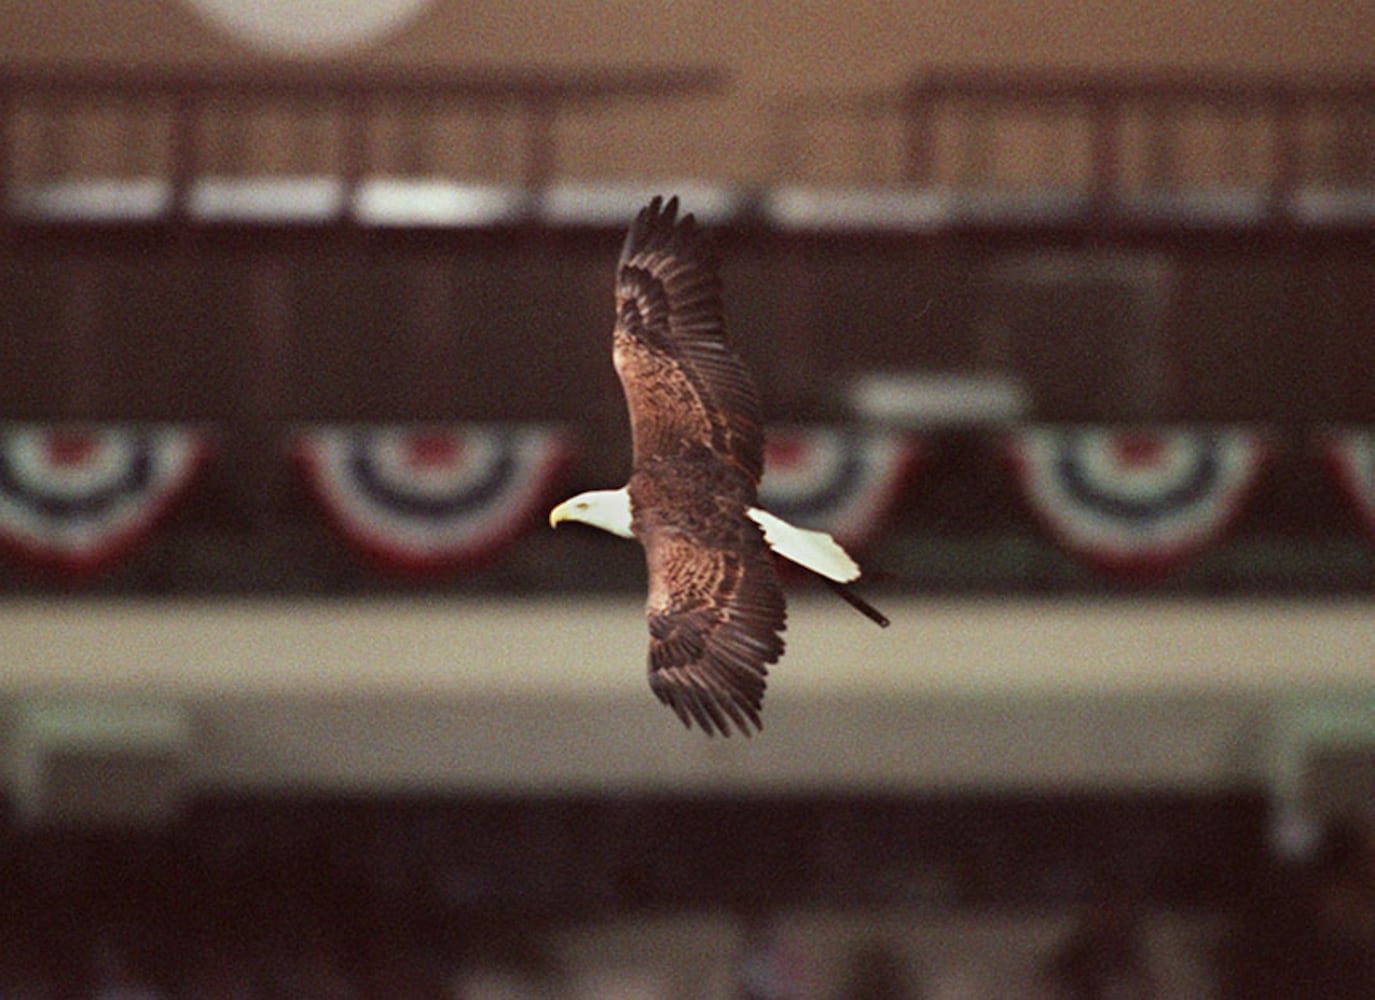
(426, 500)
(429, 500)
(1137, 503)
(1351, 456)
(76, 499)
(842, 480)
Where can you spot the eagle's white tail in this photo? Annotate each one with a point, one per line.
(815, 550)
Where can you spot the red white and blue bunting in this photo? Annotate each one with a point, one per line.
(76, 499)
(430, 500)
(1136, 502)
(845, 480)
(1350, 454)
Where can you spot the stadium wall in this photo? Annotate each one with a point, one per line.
(546, 694)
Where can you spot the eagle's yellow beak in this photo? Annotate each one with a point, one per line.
(559, 513)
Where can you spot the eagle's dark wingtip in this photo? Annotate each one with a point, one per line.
(658, 211)
(654, 217)
(713, 715)
(661, 214)
(658, 226)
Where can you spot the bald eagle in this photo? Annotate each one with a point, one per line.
(715, 608)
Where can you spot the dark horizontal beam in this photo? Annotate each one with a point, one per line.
(1177, 84)
(339, 82)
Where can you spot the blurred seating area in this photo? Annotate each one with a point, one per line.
(573, 897)
(847, 899)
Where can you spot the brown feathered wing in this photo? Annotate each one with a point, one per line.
(685, 387)
(715, 611)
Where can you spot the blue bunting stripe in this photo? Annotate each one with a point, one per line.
(78, 498)
(430, 500)
(845, 480)
(1136, 502)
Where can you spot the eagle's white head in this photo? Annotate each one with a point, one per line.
(605, 509)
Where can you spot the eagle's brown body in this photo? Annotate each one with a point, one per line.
(715, 610)
(715, 606)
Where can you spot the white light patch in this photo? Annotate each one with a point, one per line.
(309, 27)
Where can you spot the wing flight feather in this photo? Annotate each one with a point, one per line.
(685, 387)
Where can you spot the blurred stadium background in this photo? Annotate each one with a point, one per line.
(1063, 316)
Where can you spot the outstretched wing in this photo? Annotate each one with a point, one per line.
(686, 388)
(715, 613)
